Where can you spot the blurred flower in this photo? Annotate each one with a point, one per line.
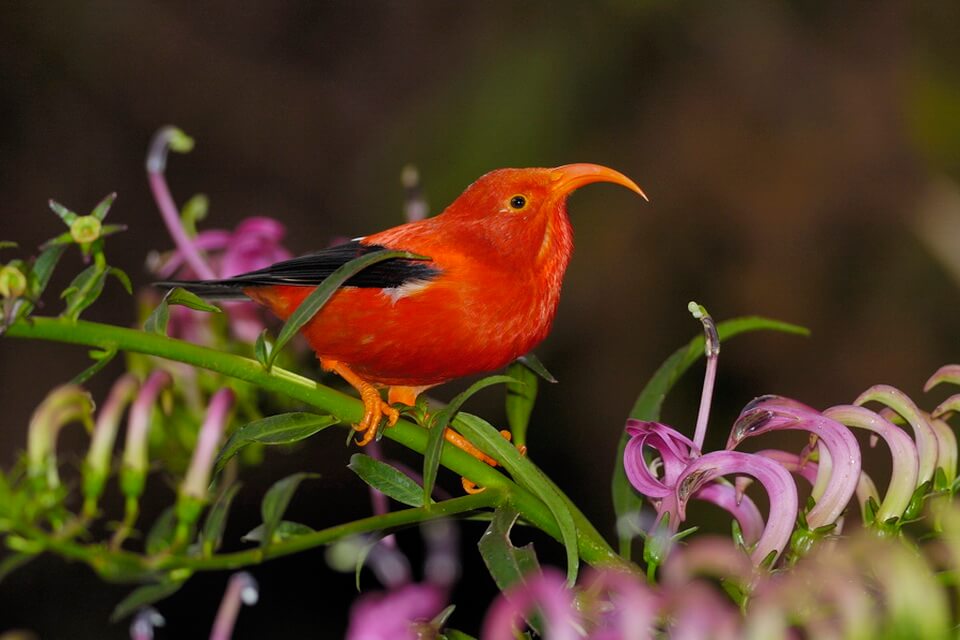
(61, 406)
(408, 609)
(96, 466)
(212, 254)
(242, 589)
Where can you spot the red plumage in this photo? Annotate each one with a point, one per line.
(498, 255)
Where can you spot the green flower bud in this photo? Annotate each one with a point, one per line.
(13, 283)
(85, 229)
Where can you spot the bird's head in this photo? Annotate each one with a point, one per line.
(524, 209)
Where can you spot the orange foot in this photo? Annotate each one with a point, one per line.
(458, 440)
(374, 409)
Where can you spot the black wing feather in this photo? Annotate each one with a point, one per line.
(312, 269)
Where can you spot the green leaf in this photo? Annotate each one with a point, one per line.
(122, 276)
(211, 536)
(284, 530)
(43, 268)
(160, 317)
(101, 359)
(284, 428)
(64, 214)
(191, 300)
(387, 479)
(650, 401)
(7, 244)
(312, 304)
(533, 363)
(521, 396)
(161, 533)
(262, 348)
(143, 596)
(100, 211)
(431, 455)
(488, 439)
(453, 634)
(276, 501)
(83, 290)
(508, 565)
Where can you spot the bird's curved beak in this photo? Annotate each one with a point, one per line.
(573, 176)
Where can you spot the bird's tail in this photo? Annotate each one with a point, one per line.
(228, 289)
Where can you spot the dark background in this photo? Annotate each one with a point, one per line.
(793, 154)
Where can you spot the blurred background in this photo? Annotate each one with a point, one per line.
(801, 161)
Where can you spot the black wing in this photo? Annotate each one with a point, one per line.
(312, 269)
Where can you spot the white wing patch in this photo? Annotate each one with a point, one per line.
(406, 289)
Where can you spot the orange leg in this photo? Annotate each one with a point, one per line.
(374, 409)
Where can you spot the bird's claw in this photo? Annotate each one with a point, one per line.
(374, 411)
(455, 438)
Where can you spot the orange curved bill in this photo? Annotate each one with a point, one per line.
(573, 176)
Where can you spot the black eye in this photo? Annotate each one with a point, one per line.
(518, 202)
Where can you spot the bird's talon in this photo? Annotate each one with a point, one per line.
(470, 486)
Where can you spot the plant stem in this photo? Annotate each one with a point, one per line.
(593, 549)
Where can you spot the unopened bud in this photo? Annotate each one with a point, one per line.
(85, 229)
(13, 283)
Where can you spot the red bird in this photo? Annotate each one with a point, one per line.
(487, 295)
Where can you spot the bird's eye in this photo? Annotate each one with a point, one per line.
(518, 202)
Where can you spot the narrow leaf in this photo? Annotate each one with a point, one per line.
(100, 211)
(161, 533)
(143, 596)
(431, 455)
(101, 360)
(319, 296)
(650, 400)
(211, 536)
(159, 318)
(284, 530)
(521, 396)
(276, 501)
(507, 564)
(488, 439)
(65, 214)
(284, 428)
(387, 479)
(184, 298)
(122, 277)
(84, 291)
(262, 348)
(532, 362)
(7, 244)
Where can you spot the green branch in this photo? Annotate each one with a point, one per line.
(591, 546)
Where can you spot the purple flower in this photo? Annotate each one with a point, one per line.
(546, 592)
(681, 472)
(839, 464)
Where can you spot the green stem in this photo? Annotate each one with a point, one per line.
(593, 548)
(384, 522)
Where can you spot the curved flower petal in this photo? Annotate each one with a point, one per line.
(775, 479)
(740, 506)
(928, 450)
(675, 453)
(903, 453)
(770, 413)
(949, 373)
